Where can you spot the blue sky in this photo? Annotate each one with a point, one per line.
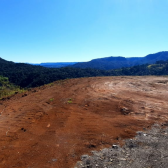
(80, 30)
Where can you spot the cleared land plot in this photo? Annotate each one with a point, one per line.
(52, 126)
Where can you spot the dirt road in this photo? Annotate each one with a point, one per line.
(52, 126)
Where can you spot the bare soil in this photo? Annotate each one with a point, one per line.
(53, 125)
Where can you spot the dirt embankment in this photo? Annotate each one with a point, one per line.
(52, 126)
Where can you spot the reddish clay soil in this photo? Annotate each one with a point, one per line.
(52, 126)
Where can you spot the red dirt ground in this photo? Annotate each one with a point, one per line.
(52, 126)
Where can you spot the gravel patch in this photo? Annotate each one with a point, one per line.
(148, 149)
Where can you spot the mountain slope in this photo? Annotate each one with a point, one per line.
(119, 62)
(26, 75)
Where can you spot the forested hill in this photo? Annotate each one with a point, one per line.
(26, 75)
(120, 62)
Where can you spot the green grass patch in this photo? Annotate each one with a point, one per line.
(69, 101)
(52, 99)
(7, 88)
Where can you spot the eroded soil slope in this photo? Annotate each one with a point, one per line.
(52, 126)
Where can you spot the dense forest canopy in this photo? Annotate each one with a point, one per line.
(25, 75)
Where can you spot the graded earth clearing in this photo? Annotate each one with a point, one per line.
(52, 126)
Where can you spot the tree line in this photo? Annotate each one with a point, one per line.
(26, 76)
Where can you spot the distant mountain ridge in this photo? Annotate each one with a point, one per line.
(56, 64)
(108, 63)
(26, 75)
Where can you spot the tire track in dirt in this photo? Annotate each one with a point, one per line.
(53, 125)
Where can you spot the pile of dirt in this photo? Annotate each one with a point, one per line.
(53, 125)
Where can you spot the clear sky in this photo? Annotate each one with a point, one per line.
(80, 30)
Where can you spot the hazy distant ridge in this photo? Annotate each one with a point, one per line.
(108, 63)
(56, 64)
(26, 75)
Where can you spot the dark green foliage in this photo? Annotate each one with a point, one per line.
(25, 75)
(4, 82)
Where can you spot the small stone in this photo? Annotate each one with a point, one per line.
(123, 159)
(114, 146)
(84, 157)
